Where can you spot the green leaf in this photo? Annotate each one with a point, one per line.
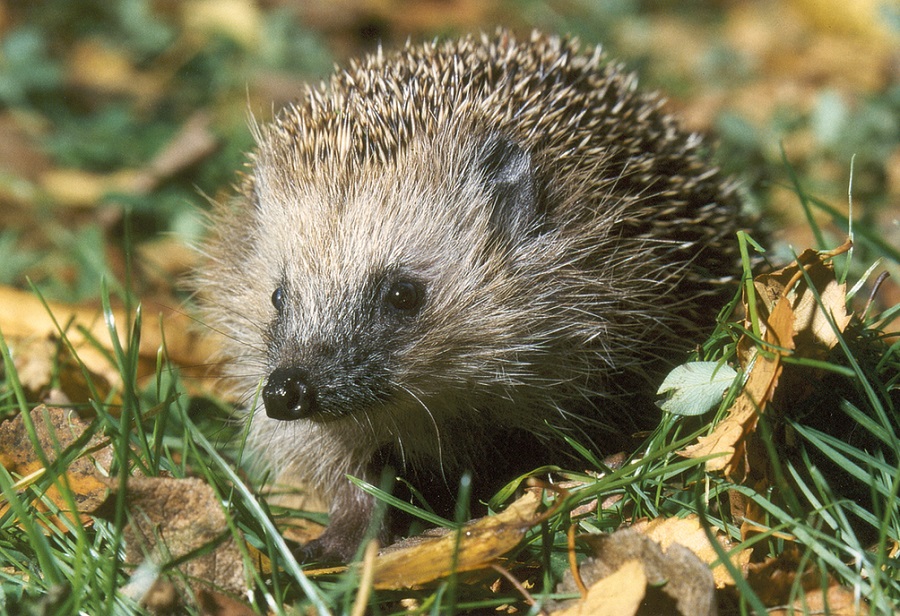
(696, 387)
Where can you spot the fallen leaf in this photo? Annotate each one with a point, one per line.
(76, 188)
(240, 20)
(57, 430)
(813, 334)
(24, 319)
(689, 532)
(165, 259)
(218, 604)
(193, 143)
(671, 581)
(792, 322)
(33, 360)
(835, 600)
(477, 545)
(20, 156)
(403, 16)
(862, 18)
(618, 594)
(728, 437)
(777, 581)
(96, 66)
(169, 518)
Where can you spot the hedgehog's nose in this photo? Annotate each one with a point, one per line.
(288, 394)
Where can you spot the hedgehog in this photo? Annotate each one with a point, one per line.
(456, 242)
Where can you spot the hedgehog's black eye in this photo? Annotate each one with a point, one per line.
(405, 296)
(278, 299)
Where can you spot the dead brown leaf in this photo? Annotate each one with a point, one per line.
(165, 259)
(56, 430)
(102, 68)
(77, 188)
(402, 15)
(193, 143)
(861, 18)
(20, 155)
(729, 436)
(671, 581)
(781, 582)
(792, 322)
(214, 603)
(240, 20)
(33, 359)
(169, 518)
(25, 323)
(618, 594)
(813, 334)
(476, 546)
(688, 532)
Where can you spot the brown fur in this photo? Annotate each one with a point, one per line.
(563, 233)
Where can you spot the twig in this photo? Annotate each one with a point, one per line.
(573, 564)
(365, 580)
(518, 585)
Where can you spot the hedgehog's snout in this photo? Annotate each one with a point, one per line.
(288, 394)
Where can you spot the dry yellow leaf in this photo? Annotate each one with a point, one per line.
(97, 66)
(23, 319)
(677, 581)
(862, 18)
(477, 545)
(728, 436)
(618, 594)
(239, 19)
(776, 582)
(689, 533)
(77, 188)
(813, 333)
(83, 189)
(792, 321)
(834, 600)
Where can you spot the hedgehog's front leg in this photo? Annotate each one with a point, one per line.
(350, 518)
(327, 450)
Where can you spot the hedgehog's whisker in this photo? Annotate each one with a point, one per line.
(435, 425)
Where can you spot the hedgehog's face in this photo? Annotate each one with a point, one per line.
(324, 370)
(385, 288)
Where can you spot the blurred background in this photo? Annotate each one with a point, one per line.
(120, 119)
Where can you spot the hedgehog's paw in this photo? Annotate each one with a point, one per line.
(326, 550)
(350, 520)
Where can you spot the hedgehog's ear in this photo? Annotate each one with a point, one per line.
(509, 178)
